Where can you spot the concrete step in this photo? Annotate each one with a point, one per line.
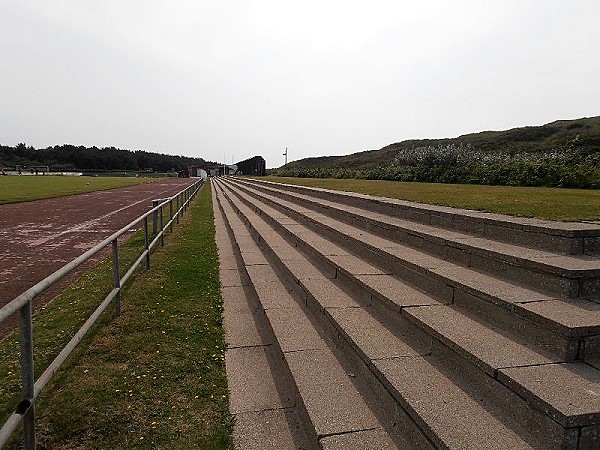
(333, 413)
(515, 305)
(447, 327)
(564, 238)
(372, 341)
(572, 276)
(453, 418)
(265, 416)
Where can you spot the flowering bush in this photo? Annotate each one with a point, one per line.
(566, 166)
(452, 154)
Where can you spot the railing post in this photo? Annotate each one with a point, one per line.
(147, 242)
(182, 204)
(162, 230)
(27, 377)
(154, 218)
(116, 276)
(171, 213)
(177, 207)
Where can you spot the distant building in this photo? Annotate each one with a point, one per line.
(211, 169)
(201, 170)
(253, 166)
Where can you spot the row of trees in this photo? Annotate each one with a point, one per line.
(70, 157)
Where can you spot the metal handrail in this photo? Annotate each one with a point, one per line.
(25, 410)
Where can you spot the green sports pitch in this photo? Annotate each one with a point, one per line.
(15, 188)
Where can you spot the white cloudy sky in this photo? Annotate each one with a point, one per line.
(226, 80)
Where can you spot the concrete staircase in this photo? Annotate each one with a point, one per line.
(360, 322)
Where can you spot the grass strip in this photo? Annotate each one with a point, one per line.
(26, 188)
(543, 203)
(154, 377)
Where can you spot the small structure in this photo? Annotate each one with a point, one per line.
(33, 170)
(212, 169)
(252, 166)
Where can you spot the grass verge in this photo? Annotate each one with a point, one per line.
(26, 188)
(152, 378)
(543, 203)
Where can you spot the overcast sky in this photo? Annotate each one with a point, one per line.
(227, 80)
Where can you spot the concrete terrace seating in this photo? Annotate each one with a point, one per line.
(359, 322)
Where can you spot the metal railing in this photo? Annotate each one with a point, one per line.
(25, 410)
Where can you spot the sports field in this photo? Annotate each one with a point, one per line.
(30, 187)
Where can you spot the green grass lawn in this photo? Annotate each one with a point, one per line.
(30, 187)
(152, 378)
(543, 203)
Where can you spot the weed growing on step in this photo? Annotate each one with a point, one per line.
(154, 377)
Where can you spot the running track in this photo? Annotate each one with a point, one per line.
(39, 237)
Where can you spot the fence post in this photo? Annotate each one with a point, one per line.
(171, 213)
(162, 228)
(147, 242)
(116, 277)
(27, 377)
(177, 206)
(154, 218)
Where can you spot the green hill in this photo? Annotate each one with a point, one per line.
(581, 133)
(561, 153)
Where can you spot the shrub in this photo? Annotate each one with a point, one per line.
(450, 163)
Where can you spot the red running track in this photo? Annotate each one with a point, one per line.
(37, 238)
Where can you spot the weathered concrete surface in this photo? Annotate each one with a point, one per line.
(359, 440)
(490, 334)
(570, 392)
(266, 430)
(334, 404)
(481, 345)
(455, 420)
(265, 416)
(250, 380)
